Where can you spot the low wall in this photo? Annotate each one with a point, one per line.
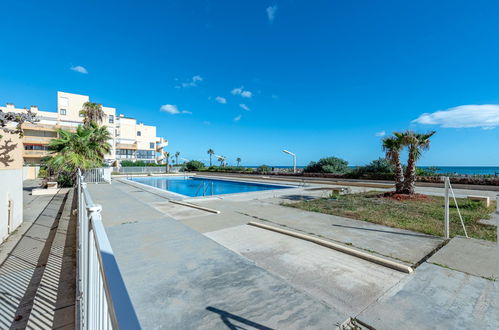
(30, 172)
(11, 201)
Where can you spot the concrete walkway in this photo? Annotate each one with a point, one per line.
(403, 245)
(334, 277)
(30, 268)
(471, 256)
(435, 297)
(179, 279)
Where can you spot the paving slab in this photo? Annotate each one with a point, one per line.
(435, 297)
(336, 278)
(468, 255)
(21, 258)
(179, 279)
(403, 245)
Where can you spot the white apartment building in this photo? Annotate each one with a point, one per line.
(131, 140)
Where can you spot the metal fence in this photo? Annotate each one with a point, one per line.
(103, 301)
(145, 169)
(140, 169)
(97, 175)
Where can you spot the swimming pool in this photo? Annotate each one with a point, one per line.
(194, 187)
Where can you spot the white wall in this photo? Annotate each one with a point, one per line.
(30, 172)
(11, 189)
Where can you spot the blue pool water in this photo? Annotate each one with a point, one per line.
(193, 187)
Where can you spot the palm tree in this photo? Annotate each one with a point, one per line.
(416, 143)
(392, 146)
(92, 113)
(100, 138)
(221, 159)
(210, 152)
(82, 149)
(176, 156)
(238, 160)
(167, 161)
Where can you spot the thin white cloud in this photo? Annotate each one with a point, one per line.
(238, 118)
(236, 91)
(485, 116)
(79, 68)
(240, 91)
(244, 107)
(246, 94)
(173, 109)
(193, 82)
(221, 100)
(380, 134)
(271, 11)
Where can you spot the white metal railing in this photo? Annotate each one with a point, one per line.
(102, 301)
(98, 175)
(140, 169)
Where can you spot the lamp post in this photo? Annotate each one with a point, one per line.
(294, 159)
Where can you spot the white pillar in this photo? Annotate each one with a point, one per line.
(446, 216)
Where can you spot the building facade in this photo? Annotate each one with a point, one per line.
(130, 140)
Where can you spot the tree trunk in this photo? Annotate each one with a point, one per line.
(399, 177)
(410, 174)
(210, 160)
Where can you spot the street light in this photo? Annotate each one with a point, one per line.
(294, 159)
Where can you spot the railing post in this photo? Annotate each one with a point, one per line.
(93, 212)
(446, 212)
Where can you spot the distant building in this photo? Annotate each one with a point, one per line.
(130, 140)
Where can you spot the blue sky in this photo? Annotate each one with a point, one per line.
(319, 78)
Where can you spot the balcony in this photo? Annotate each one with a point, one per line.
(132, 146)
(35, 153)
(37, 139)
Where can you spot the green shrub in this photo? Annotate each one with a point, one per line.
(378, 169)
(194, 165)
(327, 165)
(428, 171)
(43, 173)
(264, 169)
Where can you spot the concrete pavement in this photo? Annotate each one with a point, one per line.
(435, 297)
(470, 256)
(177, 278)
(24, 260)
(402, 245)
(336, 278)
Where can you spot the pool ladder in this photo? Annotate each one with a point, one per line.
(205, 188)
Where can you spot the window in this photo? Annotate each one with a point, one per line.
(151, 145)
(62, 112)
(35, 147)
(145, 154)
(111, 119)
(82, 114)
(139, 133)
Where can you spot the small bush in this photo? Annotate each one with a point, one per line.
(327, 165)
(264, 169)
(194, 165)
(43, 173)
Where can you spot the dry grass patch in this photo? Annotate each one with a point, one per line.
(424, 215)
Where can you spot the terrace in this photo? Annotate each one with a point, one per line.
(261, 278)
(149, 258)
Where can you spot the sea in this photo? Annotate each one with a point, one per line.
(460, 170)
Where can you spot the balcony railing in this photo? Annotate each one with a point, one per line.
(103, 301)
(35, 153)
(37, 139)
